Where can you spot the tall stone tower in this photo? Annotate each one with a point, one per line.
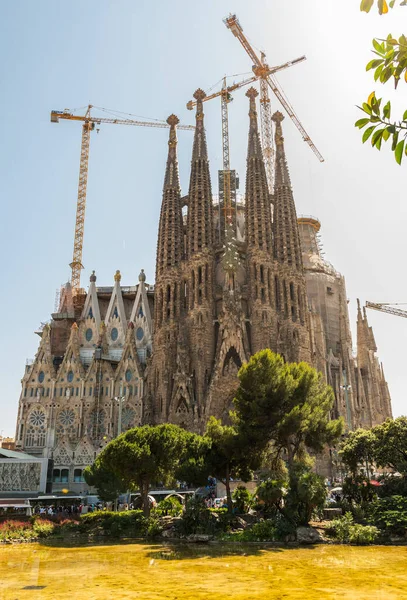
(291, 302)
(169, 287)
(260, 263)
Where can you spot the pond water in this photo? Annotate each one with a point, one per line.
(179, 572)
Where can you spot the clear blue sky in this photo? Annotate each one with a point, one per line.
(147, 58)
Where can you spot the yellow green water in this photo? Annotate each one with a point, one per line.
(158, 572)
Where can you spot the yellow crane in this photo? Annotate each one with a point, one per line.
(387, 307)
(265, 73)
(89, 123)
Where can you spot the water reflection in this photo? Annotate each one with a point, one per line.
(181, 572)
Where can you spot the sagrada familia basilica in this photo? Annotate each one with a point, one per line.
(124, 356)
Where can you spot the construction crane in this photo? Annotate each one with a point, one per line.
(387, 307)
(89, 123)
(225, 96)
(265, 73)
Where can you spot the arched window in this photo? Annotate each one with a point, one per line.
(64, 475)
(41, 439)
(78, 476)
(56, 476)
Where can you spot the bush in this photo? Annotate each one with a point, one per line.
(263, 531)
(306, 494)
(43, 528)
(242, 498)
(26, 530)
(389, 514)
(393, 486)
(130, 523)
(269, 495)
(345, 530)
(169, 507)
(197, 518)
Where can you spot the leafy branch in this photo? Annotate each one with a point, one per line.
(377, 116)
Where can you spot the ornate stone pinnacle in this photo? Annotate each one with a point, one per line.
(117, 275)
(278, 117)
(252, 93)
(92, 278)
(172, 120)
(74, 325)
(142, 276)
(199, 94)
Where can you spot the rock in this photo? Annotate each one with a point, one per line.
(332, 513)
(169, 533)
(198, 538)
(308, 535)
(238, 523)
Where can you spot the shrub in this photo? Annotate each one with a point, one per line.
(263, 531)
(169, 506)
(345, 530)
(242, 498)
(393, 486)
(130, 523)
(43, 528)
(269, 494)
(197, 518)
(306, 494)
(389, 514)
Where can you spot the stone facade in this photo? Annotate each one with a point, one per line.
(117, 357)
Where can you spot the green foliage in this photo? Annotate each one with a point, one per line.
(169, 506)
(345, 530)
(391, 444)
(147, 454)
(306, 494)
(242, 498)
(358, 450)
(129, 523)
(390, 64)
(263, 531)
(358, 489)
(229, 455)
(393, 486)
(390, 514)
(285, 404)
(270, 494)
(108, 485)
(43, 528)
(197, 518)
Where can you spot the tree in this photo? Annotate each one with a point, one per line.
(391, 63)
(305, 422)
(260, 398)
(286, 405)
(108, 485)
(146, 455)
(228, 455)
(358, 450)
(390, 444)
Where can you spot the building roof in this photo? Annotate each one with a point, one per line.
(4, 453)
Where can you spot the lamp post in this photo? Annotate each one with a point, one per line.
(120, 400)
(346, 387)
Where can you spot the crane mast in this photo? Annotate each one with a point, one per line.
(88, 126)
(263, 72)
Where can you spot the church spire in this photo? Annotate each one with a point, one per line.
(170, 232)
(287, 247)
(200, 211)
(258, 208)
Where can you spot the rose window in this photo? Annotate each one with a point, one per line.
(67, 417)
(37, 418)
(128, 416)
